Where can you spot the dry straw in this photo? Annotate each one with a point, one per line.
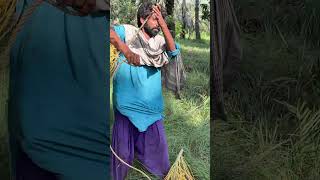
(180, 170)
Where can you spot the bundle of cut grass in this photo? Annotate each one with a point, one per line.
(180, 170)
(114, 55)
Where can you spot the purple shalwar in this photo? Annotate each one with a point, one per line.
(150, 147)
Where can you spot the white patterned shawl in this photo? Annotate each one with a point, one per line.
(152, 52)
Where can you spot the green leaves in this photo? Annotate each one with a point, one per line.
(124, 12)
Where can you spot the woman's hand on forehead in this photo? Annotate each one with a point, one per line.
(156, 11)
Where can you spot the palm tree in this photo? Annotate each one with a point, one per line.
(184, 16)
(197, 20)
(170, 11)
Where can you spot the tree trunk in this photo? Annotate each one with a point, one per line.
(170, 11)
(184, 16)
(197, 20)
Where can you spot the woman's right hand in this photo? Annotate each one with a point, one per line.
(133, 58)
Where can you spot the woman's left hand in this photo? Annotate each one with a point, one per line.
(157, 12)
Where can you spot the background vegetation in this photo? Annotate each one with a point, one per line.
(273, 130)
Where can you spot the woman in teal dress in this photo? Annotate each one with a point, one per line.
(59, 95)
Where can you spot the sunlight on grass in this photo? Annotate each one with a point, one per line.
(187, 120)
(190, 48)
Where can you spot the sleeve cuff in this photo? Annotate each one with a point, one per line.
(175, 52)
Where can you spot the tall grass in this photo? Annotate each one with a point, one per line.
(268, 138)
(273, 130)
(249, 150)
(297, 17)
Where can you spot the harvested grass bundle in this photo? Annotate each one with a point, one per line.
(114, 54)
(180, 170)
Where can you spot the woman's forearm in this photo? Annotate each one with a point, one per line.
(122, 47)
(117, 43)
(169, 39)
